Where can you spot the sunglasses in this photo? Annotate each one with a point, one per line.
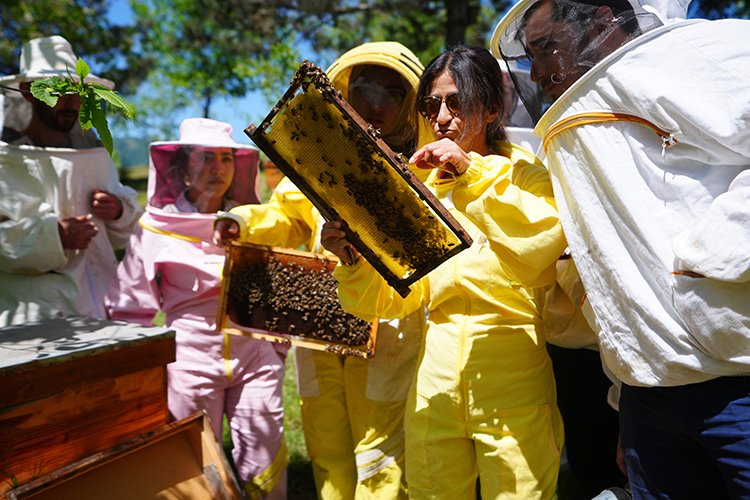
(430, 105)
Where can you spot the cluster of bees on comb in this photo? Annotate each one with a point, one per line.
(287, 297)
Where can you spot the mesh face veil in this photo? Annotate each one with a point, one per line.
(560, 40)
(203, 167)
(232, 173)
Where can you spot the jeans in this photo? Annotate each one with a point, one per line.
(688, 442)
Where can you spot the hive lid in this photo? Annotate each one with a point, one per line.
(340, 163)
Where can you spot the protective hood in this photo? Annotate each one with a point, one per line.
(391, 55)
(170, 178)
(560, 40)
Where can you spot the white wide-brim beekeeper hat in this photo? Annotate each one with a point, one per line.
(46, 57)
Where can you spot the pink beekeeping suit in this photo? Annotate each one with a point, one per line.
(172, 266)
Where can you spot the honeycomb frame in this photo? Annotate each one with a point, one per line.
(309, 87)
(239, 255)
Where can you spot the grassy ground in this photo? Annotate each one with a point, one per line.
(301, 485)
(300, 476)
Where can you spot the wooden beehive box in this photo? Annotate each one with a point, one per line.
(340, 163)
(75, 386)
(178, 461)
(289, 296)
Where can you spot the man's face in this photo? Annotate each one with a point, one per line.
(554, 48)
(63, 116)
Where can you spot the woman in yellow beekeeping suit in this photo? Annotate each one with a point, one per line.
(483, 400)
(352, 408)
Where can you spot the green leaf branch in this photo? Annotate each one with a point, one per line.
(93, 96)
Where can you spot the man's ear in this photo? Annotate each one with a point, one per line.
(603, 18)
(25, 88)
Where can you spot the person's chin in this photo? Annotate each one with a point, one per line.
(66, 125)
(217, 189)
(376, 123)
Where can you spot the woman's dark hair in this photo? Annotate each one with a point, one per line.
(180, 159)
(479, 81)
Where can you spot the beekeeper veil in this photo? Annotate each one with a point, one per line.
(205, 164)
(560, 40)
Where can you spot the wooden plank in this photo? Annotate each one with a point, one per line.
(42, 359)
(31, 382)
(42, 435)
(179, 460)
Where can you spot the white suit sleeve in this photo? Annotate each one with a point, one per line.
(718, 246)
(29, 238)
(120, 229)
(30, 245)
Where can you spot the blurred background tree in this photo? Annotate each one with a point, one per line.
(720, 9)
(108, 48)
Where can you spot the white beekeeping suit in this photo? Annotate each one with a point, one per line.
(39, 186)
(650, 167)
(648, 143)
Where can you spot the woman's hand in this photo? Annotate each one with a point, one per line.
(443, 154)
(224, 231)
(334, 240)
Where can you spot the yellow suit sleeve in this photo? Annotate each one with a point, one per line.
(365, 294)
(287, 220)
(512, 203)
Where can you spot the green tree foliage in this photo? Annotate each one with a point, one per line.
(209, 49)
(84, 24)
(719, 9)
(93, 96)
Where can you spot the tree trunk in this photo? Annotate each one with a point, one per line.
(207, 98)
(459, 15)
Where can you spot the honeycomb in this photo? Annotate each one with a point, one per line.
(290, 297)
(339, 162)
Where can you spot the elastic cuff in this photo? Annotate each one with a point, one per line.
(236, 218)
(345, 270)
(474, 172)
